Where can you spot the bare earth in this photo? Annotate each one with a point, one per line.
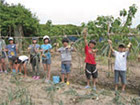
(15, 89)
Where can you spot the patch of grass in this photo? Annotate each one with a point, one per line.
(135, 101)
(51, 91)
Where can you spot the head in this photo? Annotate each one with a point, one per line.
(65, 42)
(34, 40)
(92, 44)
(11, 40)
(121, 48)
(46, 39)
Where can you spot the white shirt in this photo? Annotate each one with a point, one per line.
(121, 60)
(23, 58)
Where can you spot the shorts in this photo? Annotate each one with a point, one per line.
(65, 67)
(91, 70)
(21, 62)
(12, 59)
(122, 75)
(46, 61)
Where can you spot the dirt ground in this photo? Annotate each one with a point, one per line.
(18, 90)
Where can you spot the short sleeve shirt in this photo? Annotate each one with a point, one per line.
(65, 53)
(121, 60)
(11, 50)
(45, 47)
(90, 57)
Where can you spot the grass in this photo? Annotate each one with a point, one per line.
(51, 91)
(19, 93)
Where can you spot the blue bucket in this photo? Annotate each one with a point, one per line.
(56, 79)
(14, 71)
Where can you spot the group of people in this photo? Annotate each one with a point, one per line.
(17, 62)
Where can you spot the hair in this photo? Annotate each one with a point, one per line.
(92, 41)
(47, 39)
(65, 40)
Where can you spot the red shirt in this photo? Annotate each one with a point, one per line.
(90, 57)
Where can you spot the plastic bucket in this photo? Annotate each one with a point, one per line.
(14, 71)
(56, 79)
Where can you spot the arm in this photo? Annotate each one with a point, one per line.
(16, 47)
(110, 44)
(6, 49)
(85, 40)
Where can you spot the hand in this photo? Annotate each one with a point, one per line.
(109, 41)
(129, 45)
(95, 50)
(71, 43)
(43, 55)
(68, 47)
(46, 51)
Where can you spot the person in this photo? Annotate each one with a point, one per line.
(12, 50)
(34, 58)
(2, 56)
(66, 58)
(90, 69)
(20, 62)
(120, 64)
(46, 56)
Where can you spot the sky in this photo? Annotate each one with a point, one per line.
(77, 11)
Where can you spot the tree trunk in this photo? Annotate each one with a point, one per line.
(18, 34)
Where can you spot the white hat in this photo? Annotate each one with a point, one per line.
(46, 37)
(10, 38)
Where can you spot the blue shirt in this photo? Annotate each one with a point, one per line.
(45, 47)
(11, 50)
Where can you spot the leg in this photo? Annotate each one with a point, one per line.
(94, 75)
(37, 67)
(94, 82)
(88, 73)
(45, 67)
(63, 72)
(17, 66)
(123, 87)
(68, 69)
(25, 69)
(88, 78)
(68, 77)
(116, 79)
(33, 67)
(4, 66)
(0, 65)
(63, 77)
(11, 65)
(48, 74)
(123, 79)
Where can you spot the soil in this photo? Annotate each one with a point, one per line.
(75, 93)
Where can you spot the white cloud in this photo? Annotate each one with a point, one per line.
(76, 11)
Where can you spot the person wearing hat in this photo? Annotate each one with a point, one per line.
(34, 57)
(12, 50)
(2, 56)
(46, 56)
(90, 69)
(120, 66)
